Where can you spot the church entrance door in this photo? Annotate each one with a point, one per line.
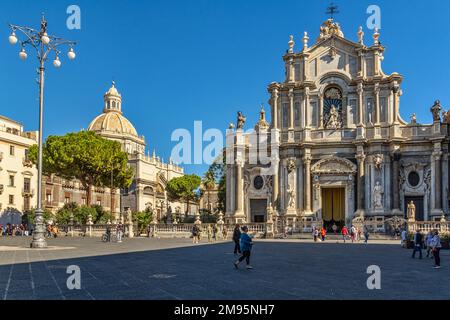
(333, 207)
(258, 210)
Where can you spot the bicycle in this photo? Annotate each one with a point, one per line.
(109, 238)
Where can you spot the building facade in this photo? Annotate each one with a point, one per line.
(339, 145)
(18, 176)
(151, 174)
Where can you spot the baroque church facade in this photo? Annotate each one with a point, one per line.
(342, 148)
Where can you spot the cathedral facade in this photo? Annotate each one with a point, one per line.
(338, 143)
(151, 174)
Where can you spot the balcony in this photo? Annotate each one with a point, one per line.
(27, 162)
(51, 204)
(26, 192)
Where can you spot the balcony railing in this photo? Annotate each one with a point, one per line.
(27, 192)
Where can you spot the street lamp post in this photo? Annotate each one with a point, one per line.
(44, 44)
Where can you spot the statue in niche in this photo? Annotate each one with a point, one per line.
(333, 120)
(411, 211)
(291, 197)
(240, 120)
(378, 196)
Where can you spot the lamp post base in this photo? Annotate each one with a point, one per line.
(38, 243)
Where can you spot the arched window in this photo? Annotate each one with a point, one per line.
(148, 191)
(332, 108)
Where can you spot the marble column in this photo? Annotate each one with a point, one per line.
(437, 180)
(360, 182)
(239, 190)
(275, 108)
(395, 184)
(320, 110)
(360, 105)
(307, 181)
(291, 109)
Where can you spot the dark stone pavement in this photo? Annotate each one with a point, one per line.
(174, 269)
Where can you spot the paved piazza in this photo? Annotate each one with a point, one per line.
(174, 269)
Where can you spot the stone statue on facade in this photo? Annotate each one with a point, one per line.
(436, 111)
(413, 118)
(333, 120)
(290, 165)
(378, 161)
(291, 197)
(378, 196)
(240, 120)
(411, 211)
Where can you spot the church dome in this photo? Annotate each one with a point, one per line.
(112, 120)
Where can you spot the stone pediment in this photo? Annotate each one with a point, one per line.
(334, 165)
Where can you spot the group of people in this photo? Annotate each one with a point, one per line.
(431, 242)
(14, 230)
(355, 233)
(319, 234)
(242, 245)
(211, 230)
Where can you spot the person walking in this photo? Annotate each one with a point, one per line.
(246, 247)
(214, 233)
(315, 234)
(323, 233)
(366, 234)
(195, 233)
(236, 239)
(352, 233)
(418, 242)
(436, 248)
(403, 238)
(428, 239)
(344, 232)
(119, 230)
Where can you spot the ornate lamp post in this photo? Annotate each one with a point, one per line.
(44, 44)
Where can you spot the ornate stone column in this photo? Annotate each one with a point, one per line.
(320, 110)
(395, 184)
(239, 190)
(275, 108)
(437, 180)
(291, 115)
(307, 179)
(360, 158)
(377, 111)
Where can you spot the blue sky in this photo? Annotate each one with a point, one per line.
(180, 61)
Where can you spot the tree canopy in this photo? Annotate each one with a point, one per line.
(88, 157)
(183, 188)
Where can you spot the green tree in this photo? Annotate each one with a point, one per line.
(209, 184)
(81, 214)
(31, 216)
(143, 219)
(88, 157)
(184, 189)
(220, 174)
